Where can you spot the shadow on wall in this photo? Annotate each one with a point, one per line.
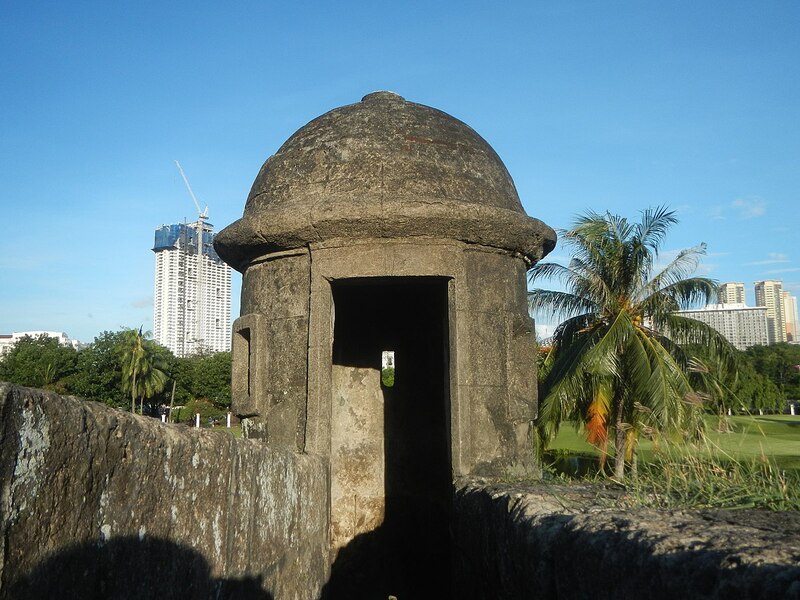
(406, 557)
(129, 568)
(502, 553)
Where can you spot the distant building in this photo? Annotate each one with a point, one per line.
(192, 297)
(743, 326)
(769, 293)
(731, 293)
(790, 316)
(8, 340)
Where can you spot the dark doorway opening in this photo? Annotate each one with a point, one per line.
(408, 554)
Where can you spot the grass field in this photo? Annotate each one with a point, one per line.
(775, 436)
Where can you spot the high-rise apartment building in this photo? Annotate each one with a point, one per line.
(731, 293)
(790, 316)
(769, 293)
(743, 326)
(192, 300)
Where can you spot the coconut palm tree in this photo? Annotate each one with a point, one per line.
(142, 374)
(153, 378)
(133, 361)
(617, 361)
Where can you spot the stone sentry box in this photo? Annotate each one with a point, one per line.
(387, 225)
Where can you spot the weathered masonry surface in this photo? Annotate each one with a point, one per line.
(98, 503)
(575, 542)
(387, 227)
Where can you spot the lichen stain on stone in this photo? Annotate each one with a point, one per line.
(34, 441)
(217, 533)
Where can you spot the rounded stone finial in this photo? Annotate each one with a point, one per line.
(383, 96)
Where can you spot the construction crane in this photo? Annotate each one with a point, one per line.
(200, 214)
(200, 227)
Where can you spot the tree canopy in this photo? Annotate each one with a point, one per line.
(40, 361)
(781, 364)
(103, 371)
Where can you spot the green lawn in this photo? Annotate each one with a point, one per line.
(774, 436)
(234, 430)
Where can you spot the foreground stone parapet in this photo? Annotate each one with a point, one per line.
(556, 541)
(98, 503)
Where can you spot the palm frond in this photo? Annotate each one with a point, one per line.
(678, 269)
(686, 331)
(598, 412)
(558, 304)
(652, 229)
(668, 388)
(551, 272)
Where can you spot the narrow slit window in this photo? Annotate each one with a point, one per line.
(244, 354)
(387, 368)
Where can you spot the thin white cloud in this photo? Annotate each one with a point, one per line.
(142, 302)
(741, 208)
(791, 286)
(774, 258)
(704, 269)
(776, 271)
(749, 208)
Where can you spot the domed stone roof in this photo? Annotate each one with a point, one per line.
(383, 168)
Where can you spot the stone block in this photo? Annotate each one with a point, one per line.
(581, 541)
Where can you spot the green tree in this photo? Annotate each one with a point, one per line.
(779, 363)
(616, 361)
(143, 374)
(98, 375)
(204, 376)
(211, 378)
(733, 387)
(40, 362)
(756, 392)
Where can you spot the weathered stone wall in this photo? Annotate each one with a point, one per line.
(275, 295)
(551, 541)
(98, 503)
(498, 353)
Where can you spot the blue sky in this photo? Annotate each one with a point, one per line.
(592, 105)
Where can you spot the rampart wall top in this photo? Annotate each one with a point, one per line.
(383, 168)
